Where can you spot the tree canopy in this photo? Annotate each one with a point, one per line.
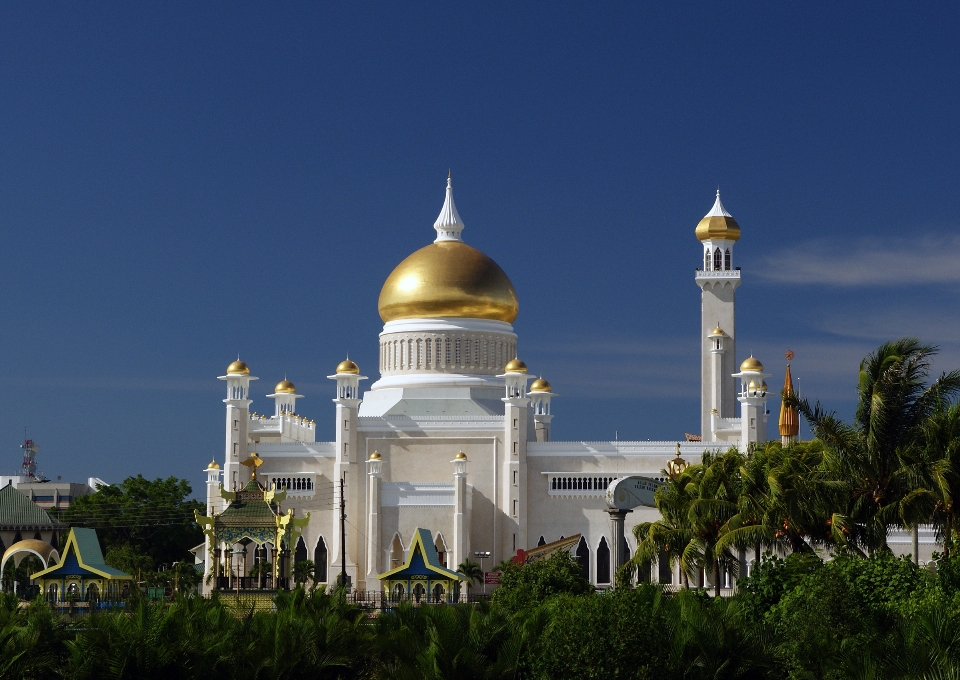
(141, 518)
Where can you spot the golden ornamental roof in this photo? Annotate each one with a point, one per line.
(515, 366)
(718, 224)
(214, 465)
(285, 387)
(347, 367)
(238, 368)
(539, 385)
(751, 364)
(789, 421)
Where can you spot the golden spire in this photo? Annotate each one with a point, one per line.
(253, 462)
(789, 418)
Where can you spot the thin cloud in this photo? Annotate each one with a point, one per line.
(927, 259)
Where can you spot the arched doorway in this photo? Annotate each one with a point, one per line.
(603, 561)
(438, 593)
(398, 592)
(418, 592)
(583, 557)
(441, 550)
(320, 562)
(396, 552)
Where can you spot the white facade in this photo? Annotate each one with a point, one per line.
(447, 385)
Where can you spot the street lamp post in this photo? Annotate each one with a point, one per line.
(482, 555)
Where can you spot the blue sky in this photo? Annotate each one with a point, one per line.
(182, 182)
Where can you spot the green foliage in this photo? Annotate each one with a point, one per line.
(524, 586)
(154, 518)
(303, 571)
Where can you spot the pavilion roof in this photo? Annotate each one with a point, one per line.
(19, 513)
(422, 560)
(81, 556)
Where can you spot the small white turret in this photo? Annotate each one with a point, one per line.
(448, 224)
(540, 395)
(753, 402)
(285, 397)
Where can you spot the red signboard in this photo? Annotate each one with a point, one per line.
(491, 578)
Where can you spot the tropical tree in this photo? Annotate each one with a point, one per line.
(789, 499)
(303, 571)
(940, 443)
(669, 537)
(471, 570)
(876, 455)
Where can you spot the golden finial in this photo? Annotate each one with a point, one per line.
(253, 462)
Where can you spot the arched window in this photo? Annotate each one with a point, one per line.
(398, 591)
(300, 554)
(726, 260)
(603, 562)
(706, 261)
(717, 260)
(542, 541)
(441, 547)
(396, 552)
(320, 562)
(664, 572)
(583, 557)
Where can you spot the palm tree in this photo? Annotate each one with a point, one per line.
(941, 448)
(472, 571)
(874, 453)
(670, 536)
(787, 497)
(714, 503)
(303, 571)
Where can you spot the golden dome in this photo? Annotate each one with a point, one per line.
(717, 331)
(718, 227)
(752, 365)
(285, 387)
(448, 279)
(214, 465)
(539, 385)
(515, 366)
(238, 368)
(348, 367)
(375, 456)
(460, 456)
(752, 386)
(718, 224)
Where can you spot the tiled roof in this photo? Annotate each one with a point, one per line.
(19, 512)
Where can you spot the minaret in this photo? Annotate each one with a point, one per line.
(718, 281)
(461, 538)
(753, 403)
(515, 457)
(789, 417)
(348, 403)
(448, 224)
(214, 506)
(540, 396)
(238, 419)
(374, 466)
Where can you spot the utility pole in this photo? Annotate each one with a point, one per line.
(343, 539)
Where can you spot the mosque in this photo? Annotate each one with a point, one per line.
(454, 435)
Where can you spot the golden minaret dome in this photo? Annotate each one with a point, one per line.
(539, 385)
(238, 368)
(214, 465)
(448, 278)
(515, 366)
(348, 367)
(375, 456)
(285, 387)
(718, 224)
(460, 456)
(752, 365)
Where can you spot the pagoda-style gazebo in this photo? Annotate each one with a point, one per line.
(81, 574)
(253, 516)
(422, 579)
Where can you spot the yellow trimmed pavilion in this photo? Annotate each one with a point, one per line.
(81, 573)
(422, 578)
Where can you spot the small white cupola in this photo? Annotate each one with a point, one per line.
(448, 224)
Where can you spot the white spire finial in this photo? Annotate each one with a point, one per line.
(448, 224)
(718, 210)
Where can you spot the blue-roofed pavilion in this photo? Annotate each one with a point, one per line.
(422, 578)
(81, 573)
